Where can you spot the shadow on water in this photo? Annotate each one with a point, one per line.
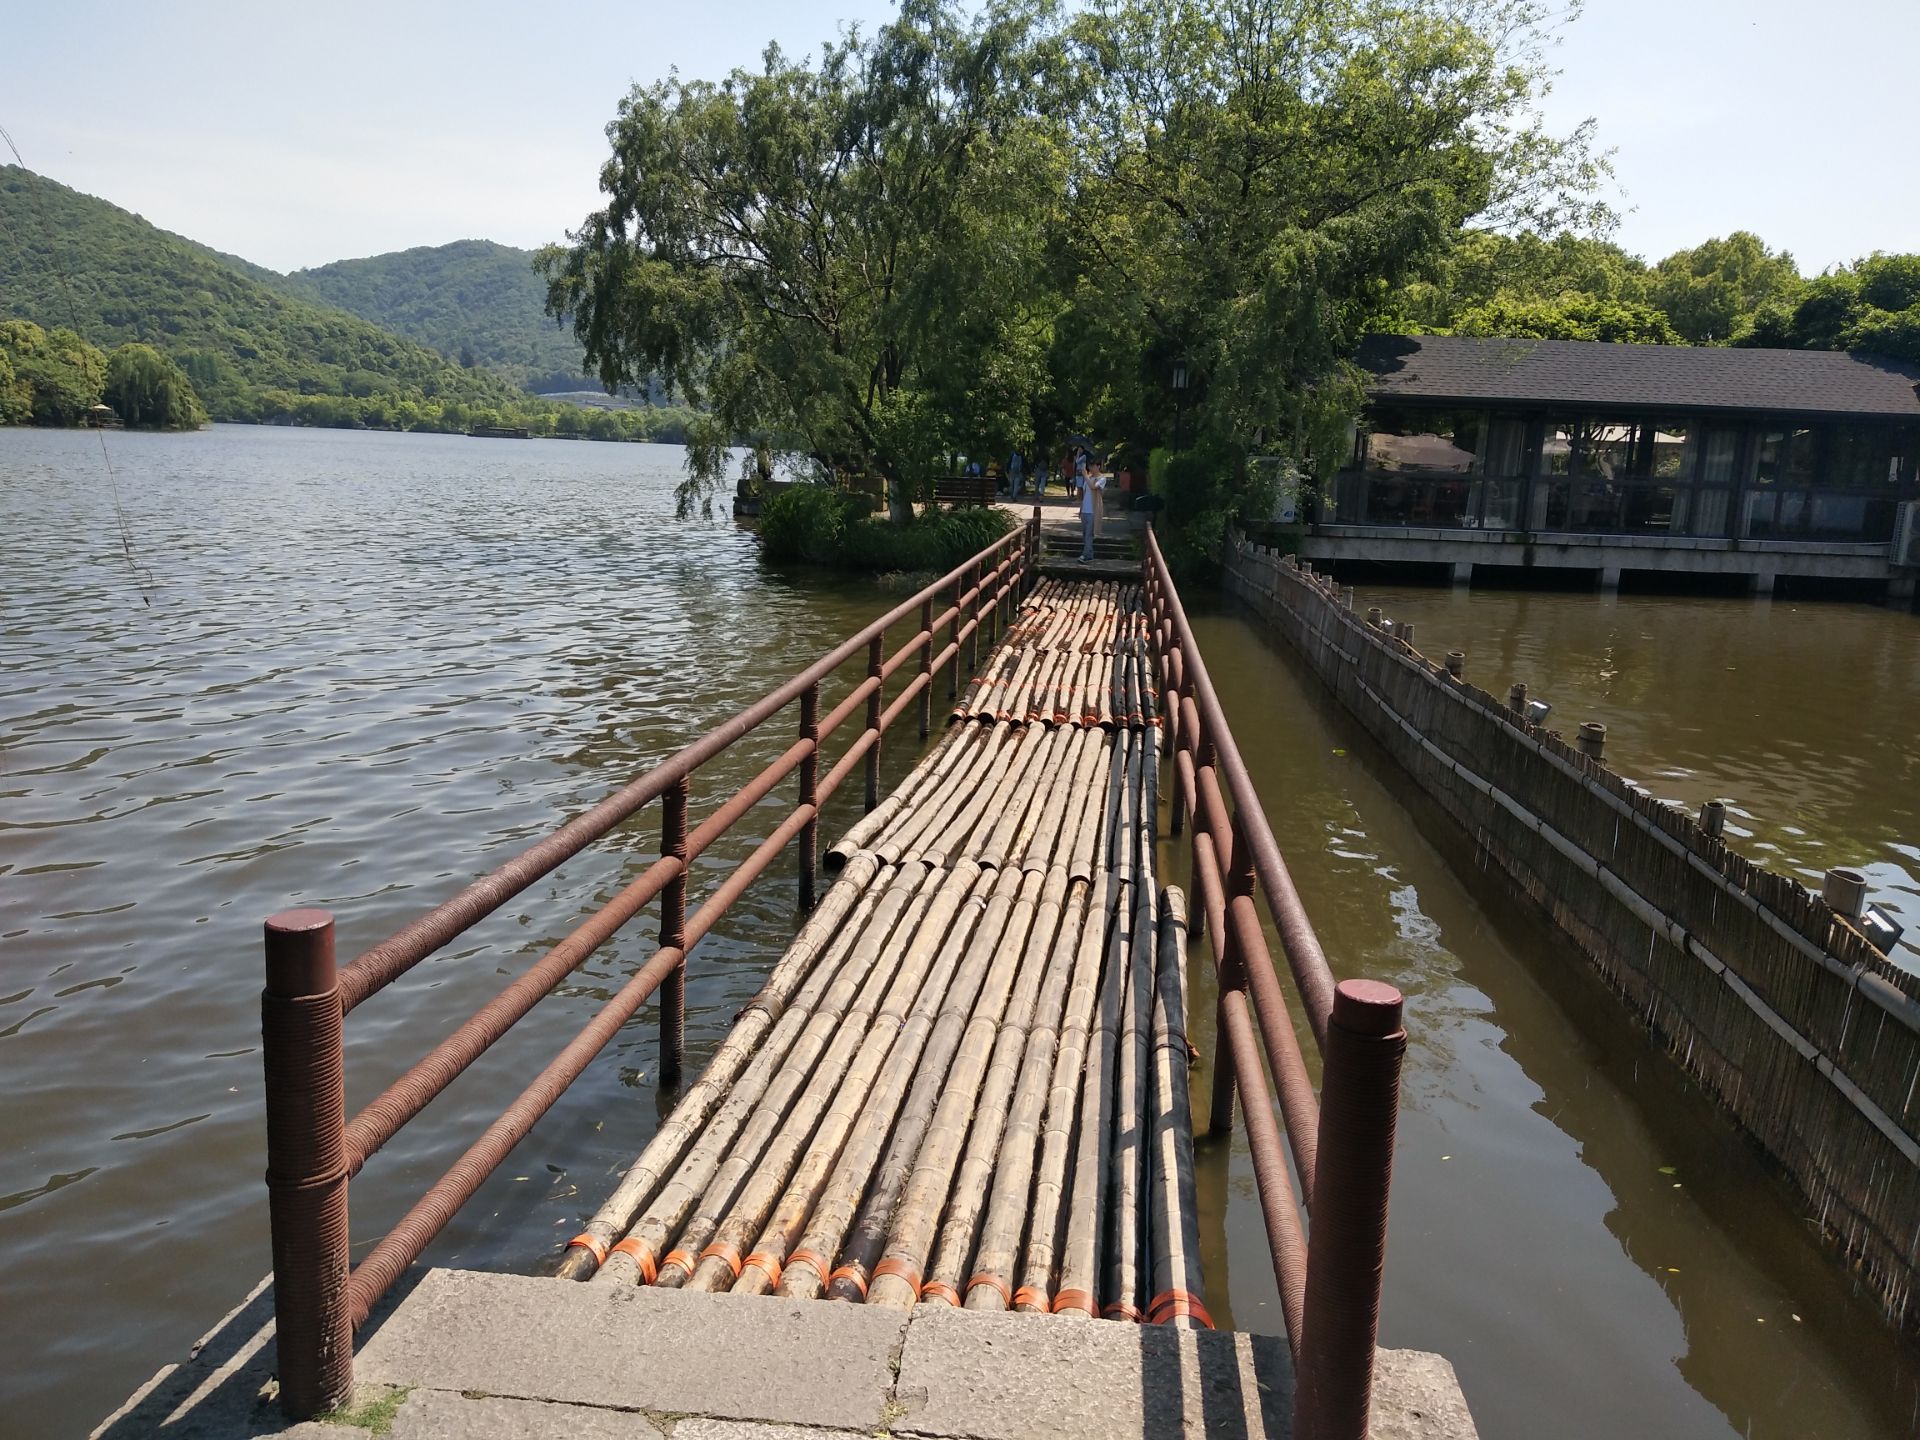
(1575, 1225)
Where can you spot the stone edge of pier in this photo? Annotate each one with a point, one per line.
(478, 1356)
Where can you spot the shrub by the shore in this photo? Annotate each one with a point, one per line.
(832, 527)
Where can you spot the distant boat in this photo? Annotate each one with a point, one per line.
(500, 432)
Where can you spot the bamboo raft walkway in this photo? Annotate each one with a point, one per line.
(966, 1079)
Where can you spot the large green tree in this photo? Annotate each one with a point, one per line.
(1872, 305)
(150, 392)
(62, 375)
(844, 254)
(1567, 317)
(1488, 268)
(1254, 177)
(1710, 292)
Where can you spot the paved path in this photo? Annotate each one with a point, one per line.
(468, 1356)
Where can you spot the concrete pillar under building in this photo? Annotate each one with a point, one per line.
(1463, 573)
(1901, 585)
(1610, 577)
(1763, 582)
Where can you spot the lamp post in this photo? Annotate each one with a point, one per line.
(1179, 395)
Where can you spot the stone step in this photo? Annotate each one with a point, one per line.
(488, 1357)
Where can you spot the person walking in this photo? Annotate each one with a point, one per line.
(1091, 484)
(1016, 467)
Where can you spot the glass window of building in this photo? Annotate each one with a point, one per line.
(1861, 457)
(1430, 442)
(1719, 453)
(1788, 457)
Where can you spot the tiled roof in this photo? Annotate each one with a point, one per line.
(1455, 368)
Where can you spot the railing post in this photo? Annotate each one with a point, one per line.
(926, 668)
(874, 651)
(673, 935)
(972, 581)
(1359, 1104)
(302, 1053)
(810, 791)
(953, 666)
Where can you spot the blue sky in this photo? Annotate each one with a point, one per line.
(294, 135)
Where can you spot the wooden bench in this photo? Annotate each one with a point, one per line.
(966, 489)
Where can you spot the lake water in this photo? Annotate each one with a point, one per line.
(354, 670)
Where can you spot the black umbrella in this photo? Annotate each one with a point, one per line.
(1080, 440)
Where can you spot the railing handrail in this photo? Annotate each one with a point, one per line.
(1329, 1286)
(382, 964)
(1305, 957)
(314, 1151)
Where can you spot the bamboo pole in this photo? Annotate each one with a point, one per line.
(990, 1287)
(809, 1265)
(1179, 1296)
(966, 1205)
(819, 1119)
(1080, 1268)
(699, 1102)
(945, 800)
(741, 1118)
(867, 1239)
(929, 772)
(1040, 1262)
(1125, 1299)
(897, 1280)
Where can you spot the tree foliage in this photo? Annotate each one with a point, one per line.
(845, 253)
(1568, 317)
(57, 377)
(148, 391)
(1710, 291)
(1872, 305)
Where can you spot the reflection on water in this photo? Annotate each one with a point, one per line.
(1577, 1230)
(374, 665)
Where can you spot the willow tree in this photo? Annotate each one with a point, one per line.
(842, 255)
(1253, 179)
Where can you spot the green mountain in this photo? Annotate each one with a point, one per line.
(252, 352)
(475, 302)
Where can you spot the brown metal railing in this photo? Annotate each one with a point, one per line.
(1341, 1141)
(314, 1150)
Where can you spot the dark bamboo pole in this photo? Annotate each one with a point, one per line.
(301, 1052)
(673, 935)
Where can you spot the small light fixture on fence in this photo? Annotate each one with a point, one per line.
(1537, 712)
(1879, 926)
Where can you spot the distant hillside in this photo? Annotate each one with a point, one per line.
(251, 351)
(70, 259)
(475, 302)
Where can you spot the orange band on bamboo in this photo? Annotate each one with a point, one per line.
(1171, 1304)
(768, 1265)
(589, 1241)
(642, 1257)
(1030, 1295)
(848, 1272)
(905, 1269)
(681, 1258)
(813, 1258)
(940, 1290)
(720, 1250)
(1120, 1310)
(1006, 1296)
(1074, 1300)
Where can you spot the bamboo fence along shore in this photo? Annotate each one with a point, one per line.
(966, 1079)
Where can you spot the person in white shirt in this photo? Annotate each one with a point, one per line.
(1092, 484)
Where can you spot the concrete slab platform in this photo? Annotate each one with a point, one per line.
(468, 1356)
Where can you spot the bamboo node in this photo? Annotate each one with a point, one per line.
(587, 1240)
(768, 1265)
(1006, 1296)
(851, 1274)
(642, 1258)
(905, 1269)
